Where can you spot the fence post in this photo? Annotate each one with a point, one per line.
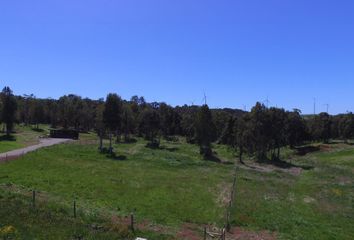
(205, 233)
(74, 209)
(33, 198)
(132, 221)
(228, 225)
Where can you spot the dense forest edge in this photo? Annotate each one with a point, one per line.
(260, 133)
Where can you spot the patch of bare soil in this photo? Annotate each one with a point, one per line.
(224, 194)
(189, 232)
(296, 171)
(344, 180)
(325, 147)
(239, 233)
(193, 232)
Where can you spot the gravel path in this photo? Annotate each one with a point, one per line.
(43, 142)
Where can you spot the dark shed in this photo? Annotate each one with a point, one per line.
(64, 133)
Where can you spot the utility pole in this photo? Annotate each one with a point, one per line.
(266, 102)
(205, 99)
(327, 105)
(314, 106)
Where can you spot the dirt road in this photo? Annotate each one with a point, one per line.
(44, 142)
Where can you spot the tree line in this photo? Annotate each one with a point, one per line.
(262, 132)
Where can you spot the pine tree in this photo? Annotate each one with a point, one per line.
(112, 115)
(9, 107)
(205, 131)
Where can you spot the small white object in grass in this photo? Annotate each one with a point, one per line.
(140, 238)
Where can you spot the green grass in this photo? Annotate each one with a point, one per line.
(173, 185)
(22, 137)
(167, 186)
(19, 220)
(318, 204)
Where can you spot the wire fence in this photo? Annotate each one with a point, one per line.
(209, 232)
(8, 157)
(39, 202)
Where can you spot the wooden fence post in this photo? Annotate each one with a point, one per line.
(205, 233)
(132, 221)
(74, 209)
(34, 199)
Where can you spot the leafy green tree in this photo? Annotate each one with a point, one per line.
(260, 126)
(170, 120)
(243, 136)
(99, 124)
(221, 120)
(112, 115)
(296, 129)
(320, 127)
(277, 131)
(228, 135)
(150, 126)
(37, 113)
(128, 122)
(187, 123)
(69, 111)
(346, 127)
(205, 131)
(9, 107)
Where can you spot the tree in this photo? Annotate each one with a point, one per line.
(296, 130)
(150, 126)
(260, 127)
(205, 131)
(9, 107)
(277, 132)
(128, 122)
(243, 136)
(170, 120)
(36, 112)
(112, 115)
(346, 126)
(228, 135)
(99, 124)
(320, 127)
(187, 122)
(69, 111)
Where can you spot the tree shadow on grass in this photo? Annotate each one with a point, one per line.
(7, 138)
(116, 158)
(212, 158)
(112, 155)
(170, 149)
(302, 151)
(286, 165)
(38, 130)
(130, 140)
(157, 146)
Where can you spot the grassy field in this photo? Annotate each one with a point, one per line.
(169, 187)
(23, 136)
(314, 204)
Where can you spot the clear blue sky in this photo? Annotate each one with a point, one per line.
(237, 51)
